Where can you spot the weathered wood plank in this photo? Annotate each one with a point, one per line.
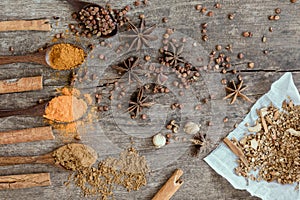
(201, 182)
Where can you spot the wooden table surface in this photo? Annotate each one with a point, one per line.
(111, 133)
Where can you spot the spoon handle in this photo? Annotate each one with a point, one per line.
(16, 160)
(37, 110)
(78, 5)
(34, 57)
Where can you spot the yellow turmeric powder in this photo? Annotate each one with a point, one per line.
(65, 56)
(65, 109)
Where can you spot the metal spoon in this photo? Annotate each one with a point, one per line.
(40, 57)
(78, 5)
(49, 158)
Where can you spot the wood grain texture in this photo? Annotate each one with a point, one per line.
(21, 84)
(201, 182)
(25, 25)
(26, 135)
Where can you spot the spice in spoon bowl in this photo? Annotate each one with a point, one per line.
(65, 56)
(65, 109)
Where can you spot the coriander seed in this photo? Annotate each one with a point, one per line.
(147, 58)
(198, 7)
(218, 5)
(204, 38)
(277, 10)
(210, 14)
(251, 65)
(240, 56)
(230, 16)
(246, 34)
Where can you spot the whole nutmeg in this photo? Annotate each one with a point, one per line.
(159, 140)
(191, 128)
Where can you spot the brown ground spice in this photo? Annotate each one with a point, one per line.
(65, 109)
(129, 171)
(66, 56)
(75, 156)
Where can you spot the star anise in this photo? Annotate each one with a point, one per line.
(129, 66)
(173, 57)
(236, 91)
(139, 102)
(201, 144)
(139, 36)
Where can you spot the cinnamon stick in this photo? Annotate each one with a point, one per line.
(26, 135)
(236, 150)
(24, 181)
(170, 187)
(21, 84)
(24, 25)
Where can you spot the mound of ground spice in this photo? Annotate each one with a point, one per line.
(65, 109)
(129, 171)
(75, 156)
(65, 56)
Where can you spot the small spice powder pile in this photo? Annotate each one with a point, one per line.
(65, 56)
(65, 109)
(275, 148)
(129, 171)
(75, 156)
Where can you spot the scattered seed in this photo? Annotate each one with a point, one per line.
(147, 58)
(293, 1)
(198, 107)
(224, 81)
(225, 119)
(246, 34)
(239, 77)
(218, 47)
(205, 38)
(101, 57)
(218, 5)
(198, 7)
(231, 16)
(105, 108)
(203, 10)
(276, 17)
(165, 20)
(57, 36)
(166, 36)
(277, 10)
(270, 29)
(240, 56)
(210, 14)
(264, 39)
(143, 116)
(251, 65)
(137, 3)
(204, 25)
(11, 49)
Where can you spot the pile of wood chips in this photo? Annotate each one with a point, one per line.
(274, 146)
